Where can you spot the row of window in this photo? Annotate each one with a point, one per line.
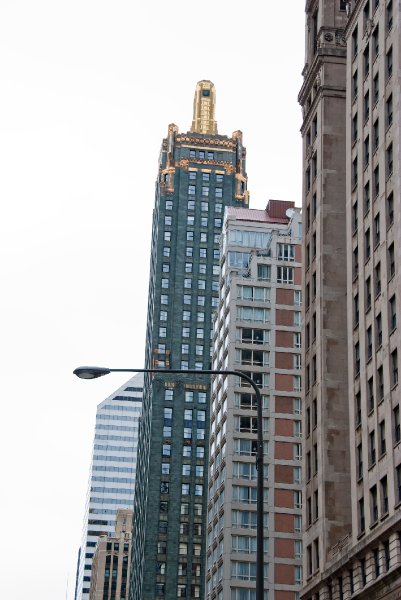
(206, 176)
(374, 493)
(389, 166)
(201, 154)
(205, 190)
(191, 206)
(186, 451)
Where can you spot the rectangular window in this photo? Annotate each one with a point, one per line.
(389, 110)
(286, 252)
(192, 190)
(392, 314)
(394, 367)
(389, 161)
(391, 261)
(285, 275)
(389, 63)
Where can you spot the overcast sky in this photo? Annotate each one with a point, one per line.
(88, 90)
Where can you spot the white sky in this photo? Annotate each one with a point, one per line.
(88, 89)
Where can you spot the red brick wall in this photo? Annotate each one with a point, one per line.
(284, 451)
(284, 383)
(284, 427)
(284, 404)
(284, 574)
(284, 296)
(284, 317)
(283, 474)
(284, 339)
(284, 522)
(284, 498)
(284, 360)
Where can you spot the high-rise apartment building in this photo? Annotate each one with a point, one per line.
(112, 472)
(200, 172)
(351, 211)
(257, 330)
(112, 561)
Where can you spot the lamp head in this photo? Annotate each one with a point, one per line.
(91, 372)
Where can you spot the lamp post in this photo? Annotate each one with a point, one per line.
(95, 372)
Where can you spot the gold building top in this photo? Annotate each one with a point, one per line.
(204, 105)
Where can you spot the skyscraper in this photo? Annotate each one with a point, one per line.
(257, 330)
(112, 472)
(200, 172)
(352, 211)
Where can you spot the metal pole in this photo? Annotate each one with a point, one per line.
(259, 455)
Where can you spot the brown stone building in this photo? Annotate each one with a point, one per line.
(351, 217)
(112, 560)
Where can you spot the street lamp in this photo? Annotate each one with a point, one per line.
(95, 372)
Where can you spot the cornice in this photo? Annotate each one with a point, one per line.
(204, 141)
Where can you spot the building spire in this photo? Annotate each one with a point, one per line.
(204, 105)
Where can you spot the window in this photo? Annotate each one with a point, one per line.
(164, 283)
(366, 65)
(359, 461)
(384, 495)
(379, 330)
(366, 147)
(368, 293)
(366, 197)
(163, 315)
(192, 190)
(371, 395)
(372, 448)
(375, 101)
(163, 299)
(391, 261)
(361, 515)
(389, 63)
(188, 283)
(369, 342)
(390, 209)
(185, 332)
(162, 332)
(374, 510)
(398, 484)
(190, 236)
(355, 85)
(389, 111)
(355, 42)
(366, 110)
(392, 314)
(185, 489)
(167, 236)
(380, 384)
(358, 410)
(377, 229)
(378, 285)
(286, 252)
(382, 434)
(375, 43)
(354, 174)
(394, 367)
(357, 358)
(389, 160)
(264, 272)
(389, 16)
(285, 275)
(376, 138)
(367, 244)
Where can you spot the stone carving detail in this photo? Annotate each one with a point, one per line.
(340, 37)
(328, 36)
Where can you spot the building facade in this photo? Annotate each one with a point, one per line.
(200, 172)
(257, 330)
(112, 561)
(352, 538)
(112, 472)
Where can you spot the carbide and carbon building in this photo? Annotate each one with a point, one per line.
(200, 172)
